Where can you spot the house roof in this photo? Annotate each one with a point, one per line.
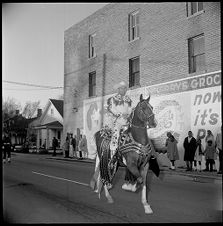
(53, 124)
(58, 105)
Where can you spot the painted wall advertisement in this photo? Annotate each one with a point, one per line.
(188, 104)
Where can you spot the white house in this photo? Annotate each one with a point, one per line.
(50, 124)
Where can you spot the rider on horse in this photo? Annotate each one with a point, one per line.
(118, 110)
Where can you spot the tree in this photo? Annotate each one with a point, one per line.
(30, 108)
(9, 107)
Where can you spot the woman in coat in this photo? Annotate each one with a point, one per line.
(172, 150)
(83, 146)
(190, 146)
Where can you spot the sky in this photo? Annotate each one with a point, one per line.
(33, 47)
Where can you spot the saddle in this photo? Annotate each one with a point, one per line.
(127, 143)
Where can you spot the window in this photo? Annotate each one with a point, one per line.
(92, 84)
(51, 111)
(92, 46)
(194, 7)
(196, 54)
(133, 26)
(134, 75)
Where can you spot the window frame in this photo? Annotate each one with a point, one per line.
(133, 29)
(132, 75)
(92, 84)
(190, 8)
(92, 52)
(191, 56)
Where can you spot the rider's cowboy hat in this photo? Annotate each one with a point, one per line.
(119, 85)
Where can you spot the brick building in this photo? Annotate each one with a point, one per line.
(171, 50)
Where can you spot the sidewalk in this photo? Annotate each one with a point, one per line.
(198, 176)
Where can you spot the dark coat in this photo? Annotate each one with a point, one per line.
(190, 149)
(7, 143)
(73, 142)
(55, 143)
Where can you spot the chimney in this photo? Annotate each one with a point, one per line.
(39, 112)
(17, 112)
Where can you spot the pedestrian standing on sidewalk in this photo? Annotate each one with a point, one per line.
(54, 145)
(71, 151)
(73, 143)
(210, 136)
(209, 155)
(79, 147)
(83, 146)
(218, 144)
(172, 150)
(190, 148)
(7, 146)
(66, 148)
(198, 154)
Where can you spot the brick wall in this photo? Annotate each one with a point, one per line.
(162, 47)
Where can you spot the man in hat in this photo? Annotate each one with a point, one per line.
(118, 110)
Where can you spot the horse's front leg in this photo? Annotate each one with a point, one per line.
(107, 194)
(147, 177)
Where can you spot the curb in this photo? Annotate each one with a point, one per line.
(195, 175)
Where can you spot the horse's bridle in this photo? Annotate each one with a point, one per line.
(147, 117)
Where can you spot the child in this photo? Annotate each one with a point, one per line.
(209, 155)
(198, 155)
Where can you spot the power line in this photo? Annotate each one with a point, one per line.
(34, 85)
(26, 89)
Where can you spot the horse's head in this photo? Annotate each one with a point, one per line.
(144, 111)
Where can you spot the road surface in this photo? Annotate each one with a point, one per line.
(41, 190)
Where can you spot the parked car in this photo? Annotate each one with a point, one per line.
(18, 148)
(21, 148)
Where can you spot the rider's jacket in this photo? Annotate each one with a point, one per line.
(119, 106)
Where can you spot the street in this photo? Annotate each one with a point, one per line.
(41, 190)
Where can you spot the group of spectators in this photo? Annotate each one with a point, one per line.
(74, 147)
(194, 151)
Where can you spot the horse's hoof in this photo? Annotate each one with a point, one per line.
(92, 184)
(110, 201)
(148, 209)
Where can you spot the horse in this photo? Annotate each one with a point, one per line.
(134, 150)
